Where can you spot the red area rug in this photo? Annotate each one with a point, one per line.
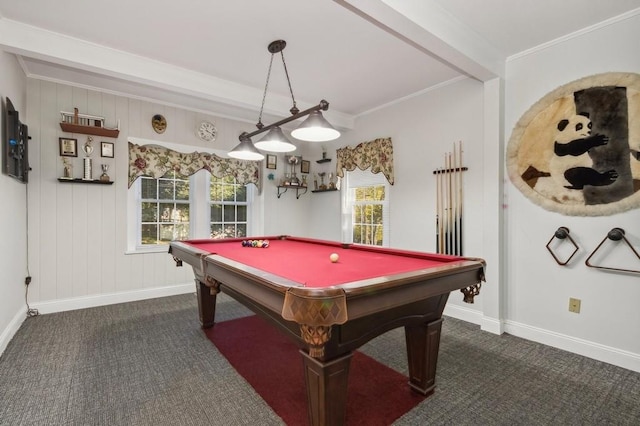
(271, 363)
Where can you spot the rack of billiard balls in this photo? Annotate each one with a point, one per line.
(255, 243)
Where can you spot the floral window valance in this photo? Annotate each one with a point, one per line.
(377, 154)
(155, 161)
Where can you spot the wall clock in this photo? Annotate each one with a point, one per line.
(206, 131)
(159, 123)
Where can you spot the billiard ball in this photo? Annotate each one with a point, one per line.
(334, 257)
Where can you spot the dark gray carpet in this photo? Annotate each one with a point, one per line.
(148, 363)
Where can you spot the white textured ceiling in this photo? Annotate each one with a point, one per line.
(211, 55)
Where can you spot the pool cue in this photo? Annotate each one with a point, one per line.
(460, 188)
(442, 207)
(438, 216)
(455, 200)
(454, 204)
(449, 199)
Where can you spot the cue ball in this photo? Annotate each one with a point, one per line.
(334, 257)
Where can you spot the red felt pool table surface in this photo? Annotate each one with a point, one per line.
(307, 261)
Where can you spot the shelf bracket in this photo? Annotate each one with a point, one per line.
(298, 189)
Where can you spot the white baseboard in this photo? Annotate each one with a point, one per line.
(465, 314)
(614, 356)
(621, 358)
(112, 298)
(12, 328)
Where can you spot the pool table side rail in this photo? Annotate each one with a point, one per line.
(352, 288)
(270, 289)
(385, 250)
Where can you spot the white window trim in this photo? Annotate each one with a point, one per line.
(199, 226)
(364, 178)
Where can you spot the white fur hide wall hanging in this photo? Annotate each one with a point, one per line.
(577, 150)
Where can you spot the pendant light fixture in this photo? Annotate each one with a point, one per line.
(314, 129)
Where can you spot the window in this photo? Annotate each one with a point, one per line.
(176, 207)
(164, 209)
(229, 207)
(366, 208)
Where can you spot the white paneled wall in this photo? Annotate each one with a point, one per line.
(78, 232)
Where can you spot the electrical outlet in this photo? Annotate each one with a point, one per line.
(574, 305)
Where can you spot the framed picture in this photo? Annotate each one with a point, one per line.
(106, 149)
(304, 166)
(272, 161)
(68, 147)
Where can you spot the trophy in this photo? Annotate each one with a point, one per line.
(67, 168)
(104, 177)
(323, 187)
(88, 149)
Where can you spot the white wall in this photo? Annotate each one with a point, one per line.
(78, 234)
(423, 128)
(538, 290)
(13, 214)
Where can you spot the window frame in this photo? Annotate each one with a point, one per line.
(246, 203)
(159, 201)
(362, 179)
(199, 211)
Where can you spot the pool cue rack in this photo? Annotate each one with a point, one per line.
(449, 197)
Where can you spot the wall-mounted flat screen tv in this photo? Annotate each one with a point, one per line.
(15, 150)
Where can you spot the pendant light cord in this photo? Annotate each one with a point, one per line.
(259, 124)
(294, 109)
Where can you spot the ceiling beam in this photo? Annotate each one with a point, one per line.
(425, 25)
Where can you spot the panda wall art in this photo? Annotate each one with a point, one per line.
(577, 150)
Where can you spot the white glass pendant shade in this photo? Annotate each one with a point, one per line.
(246, 151)
(315, 129)
(275, 141)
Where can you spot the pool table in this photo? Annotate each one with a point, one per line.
(331, 308)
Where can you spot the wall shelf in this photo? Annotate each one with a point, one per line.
(324, 160)
(89, 130)
(77, 180)
(283, 189)
(74, 122)
(325, 190)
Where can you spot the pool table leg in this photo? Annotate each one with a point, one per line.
(326, 384)
(423, 343)
(206, 303)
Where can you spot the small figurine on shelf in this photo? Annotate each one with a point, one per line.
(104, 177)
(315, 182)
(304, 181)
(323, 187)
(332, 184)
(67, 168)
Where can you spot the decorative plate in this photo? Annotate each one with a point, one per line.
(159, 123)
